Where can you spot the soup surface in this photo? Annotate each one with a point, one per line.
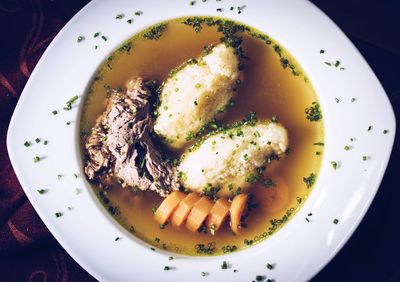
(274, 86)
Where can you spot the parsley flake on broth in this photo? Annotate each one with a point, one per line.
(265, 64)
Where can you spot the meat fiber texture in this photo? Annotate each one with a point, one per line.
(195, 94)
(120, 145)
(228, 161)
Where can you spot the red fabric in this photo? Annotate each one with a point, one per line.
(28, 252)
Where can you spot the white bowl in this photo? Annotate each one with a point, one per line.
(300, 249)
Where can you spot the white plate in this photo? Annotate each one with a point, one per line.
(300, 249)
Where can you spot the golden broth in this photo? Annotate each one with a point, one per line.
(268, 89)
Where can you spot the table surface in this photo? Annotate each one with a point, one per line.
(29, 252)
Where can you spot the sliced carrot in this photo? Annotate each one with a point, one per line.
(198, 214)
(182, 211)
(273, 198)
(236, 211)
(168, 206)
(217, 215)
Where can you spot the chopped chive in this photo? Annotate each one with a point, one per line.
(319, 144)
(138, 13)
(321, 51)
(336, 221)
(337, 100)
(219, 10)
(78, 191)
(68, 122)
(96, 34)
(171, 258)
(353, 100)
(80, 38)
(274, 118)
(42, 191)
(310, 214)
(191, 3)
(68, 104)
(104, 38)
(365, 158)
(59, 176)
(119, 16)
(385, 131)
(54, 112)
(270, 266)
(204, 273)
(58, 214)
(347, 148)
(307, 219)
(224, 265)
(167, 268)
(334, 165)
(45, 142)
(129, 21)
(37, 140)
(369, 128)
(153, 249)
(75, 175)
(260, 278)
(27, 143)
(36, 159)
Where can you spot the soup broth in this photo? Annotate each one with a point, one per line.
(274, 85)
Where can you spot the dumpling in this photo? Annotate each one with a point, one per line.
(228, 162)
(195, 93)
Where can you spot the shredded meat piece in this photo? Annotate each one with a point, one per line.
(120, 144)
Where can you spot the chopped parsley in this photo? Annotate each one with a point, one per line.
(155, 33)
(310, 180)
(314, 112)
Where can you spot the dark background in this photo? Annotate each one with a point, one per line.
(372, 253)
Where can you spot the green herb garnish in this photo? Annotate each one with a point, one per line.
(27, 144)
(58, 214)
(68, 104)
(314, 112)
(310, 180)
(336, 221)
(80, 38)
(36, 159)
(119, 16)
(155, 33)
(42, 191)
(224, 265)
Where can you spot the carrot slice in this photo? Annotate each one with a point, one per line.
(168, 206)
(217, 215)
(273, 198)
(198, 214)
(236, 211)
(182, 211)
